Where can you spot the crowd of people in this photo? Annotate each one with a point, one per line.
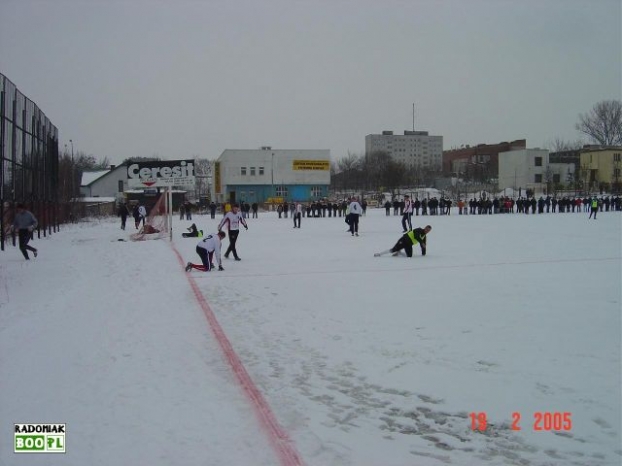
(499, 205)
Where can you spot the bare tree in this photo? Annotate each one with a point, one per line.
(203, 169)
(375, 167)
(603, 124)
(559, 145)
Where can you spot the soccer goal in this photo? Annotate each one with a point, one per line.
(158, 223)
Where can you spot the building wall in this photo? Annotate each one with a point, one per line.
(601, 166)
(413, 148)
(519, 169)
(107, 185)
(256, 175)
(455, 160)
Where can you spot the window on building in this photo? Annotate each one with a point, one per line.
(120, 186)
(616, 157)
(616, 173)
(281, 191)
(252, 171)
(556, 178)
(538, 178)
(538, 162)
(316, 191)
(260, 171)
(243, 171)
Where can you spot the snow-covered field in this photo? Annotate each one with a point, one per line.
(353, 360)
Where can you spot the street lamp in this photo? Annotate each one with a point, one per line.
(272, 174)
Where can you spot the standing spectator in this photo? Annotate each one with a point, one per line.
(460, 206)
(123, 213)
(364, 206)
(188, 209)
(407, 214)
(355, 211)
(232, 219)
(25, 223)
(407, 240)
(207, 248)
(182, 212)
(387, 208)
(212, 209)
(297, 215)
(255, 207)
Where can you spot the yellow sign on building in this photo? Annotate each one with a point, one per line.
(311, 165)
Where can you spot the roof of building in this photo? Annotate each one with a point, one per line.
(90, 177)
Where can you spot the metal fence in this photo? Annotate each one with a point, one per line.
(30, 163)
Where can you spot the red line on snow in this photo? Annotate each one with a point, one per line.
(279, 438)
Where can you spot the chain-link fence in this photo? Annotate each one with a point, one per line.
(29, 170)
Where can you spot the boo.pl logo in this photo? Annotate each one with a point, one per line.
(39, 438)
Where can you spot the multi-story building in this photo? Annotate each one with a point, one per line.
(413, 148)
(601, 168)
(271, 175)
(470, 161)
(523, 169)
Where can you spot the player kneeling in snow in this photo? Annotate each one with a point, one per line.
(406, 242)
(207, 248)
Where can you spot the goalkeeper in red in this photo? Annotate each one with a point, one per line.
(408, 240)
(207, 249)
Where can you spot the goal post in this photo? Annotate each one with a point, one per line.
(158, 223)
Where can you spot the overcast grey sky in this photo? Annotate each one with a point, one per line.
(181, 78)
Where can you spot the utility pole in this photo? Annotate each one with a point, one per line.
(73, 175)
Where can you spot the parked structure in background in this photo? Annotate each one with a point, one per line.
(476, 162)
(523, 170)
(413, 148)
(271, 176)
(601, 168)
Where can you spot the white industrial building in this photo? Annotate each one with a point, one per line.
(413, 148)
(271, 175)
(523, 169)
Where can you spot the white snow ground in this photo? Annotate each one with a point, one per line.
(362, 360)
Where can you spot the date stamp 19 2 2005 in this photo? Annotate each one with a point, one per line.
(541, 421)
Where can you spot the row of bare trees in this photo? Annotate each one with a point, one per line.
(377, 172)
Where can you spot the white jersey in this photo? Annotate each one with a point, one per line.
(233, 220)
(142, 211)
(211, 243)
(408, 206)
(355, 208)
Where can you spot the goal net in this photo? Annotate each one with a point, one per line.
(158, 222)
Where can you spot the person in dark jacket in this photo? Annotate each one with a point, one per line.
(408, 240)
(194, 232)
(123, 213)
(25, 223)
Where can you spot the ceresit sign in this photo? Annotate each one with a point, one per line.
(161, 173)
